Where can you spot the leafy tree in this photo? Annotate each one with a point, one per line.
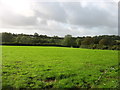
(0, 38)
(103, 42)
(25, 40)
(67, 41)
(87, 41)
(36, 34)
(111, 42)
(78, 42)
(7, 37)
(96, 39)
(18, 39)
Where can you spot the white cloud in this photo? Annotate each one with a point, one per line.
(60, 18)
(22, 7)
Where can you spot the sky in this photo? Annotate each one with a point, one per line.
(59, 17)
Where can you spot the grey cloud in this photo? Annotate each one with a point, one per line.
(17, 20)
(74, 13)
(50, 10)
(89, 16)
(68, 18)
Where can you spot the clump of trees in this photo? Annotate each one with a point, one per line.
(111, 42)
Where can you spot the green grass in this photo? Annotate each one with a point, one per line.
(58, 67)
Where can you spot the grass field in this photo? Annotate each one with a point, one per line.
(58, 67)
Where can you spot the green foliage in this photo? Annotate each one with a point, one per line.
(36, 34)
(97, 42)
(87, 41)
(7, 37)
(58, 67)
(67, 41)
(78, 42)
(103, 42)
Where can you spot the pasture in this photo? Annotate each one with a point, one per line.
(58, 67)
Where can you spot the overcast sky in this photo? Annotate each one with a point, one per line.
(82, 18)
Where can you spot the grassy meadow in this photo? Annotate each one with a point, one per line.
(58, 67)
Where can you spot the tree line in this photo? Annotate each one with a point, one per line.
(111, 42)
